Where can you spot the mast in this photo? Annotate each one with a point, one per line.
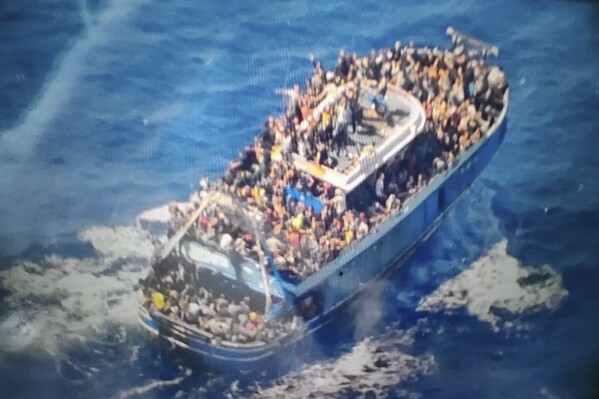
(224, 200)
(168, 246)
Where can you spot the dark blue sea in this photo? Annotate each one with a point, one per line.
(110, 108)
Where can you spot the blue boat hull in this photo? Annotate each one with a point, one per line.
(382, 252)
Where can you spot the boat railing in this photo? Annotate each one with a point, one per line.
(216, 197)
(249, 345)
(370, 159)
(191, 331)
(333, 96)
(464, 39)
(204, 335)
(415, 124)
(391, 220)
(409, 202)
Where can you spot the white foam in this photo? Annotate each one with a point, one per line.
(19, 331)
(149, 386)
(61, 298)
(372, 365)
(498, 281)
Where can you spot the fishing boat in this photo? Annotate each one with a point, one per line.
(235, 285)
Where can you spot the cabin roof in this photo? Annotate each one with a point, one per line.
(375, 141)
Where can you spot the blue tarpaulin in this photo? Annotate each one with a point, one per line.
(307, 198)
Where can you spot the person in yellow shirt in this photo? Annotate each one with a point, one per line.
(349, 236)
(257, 195)
(298, 221)
(276, 153)
(326, 117)
(158, 300)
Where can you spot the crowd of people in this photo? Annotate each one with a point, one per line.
(172, 289)
(461, 97)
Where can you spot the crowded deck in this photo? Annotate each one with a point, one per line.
(320, 177)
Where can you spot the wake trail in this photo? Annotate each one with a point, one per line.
(151, 385)
(18, 142)
(86, 15)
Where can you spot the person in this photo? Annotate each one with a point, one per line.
(342, 121)
(203, 184)
(298, 221)
(354, 107)
(226, 242)
(243, 305)
(362, 230)
(455, 89)
(340, 202)
(379, 188)
(349, 236)
(158, 300)
(193, 309)
(379, 101)
(322, 156)
(343, 65)
(390, 204)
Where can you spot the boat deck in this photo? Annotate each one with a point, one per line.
(375, 141)
(374, 128)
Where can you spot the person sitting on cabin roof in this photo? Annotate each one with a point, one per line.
(462, 101)
(342, 121)
(474, 92)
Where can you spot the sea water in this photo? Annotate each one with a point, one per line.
(110, 108)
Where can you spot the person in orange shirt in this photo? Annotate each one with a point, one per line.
(433, 70)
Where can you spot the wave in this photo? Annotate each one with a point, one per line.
(58, 299)
(59, 304)
(371, 368)
(498, 283)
